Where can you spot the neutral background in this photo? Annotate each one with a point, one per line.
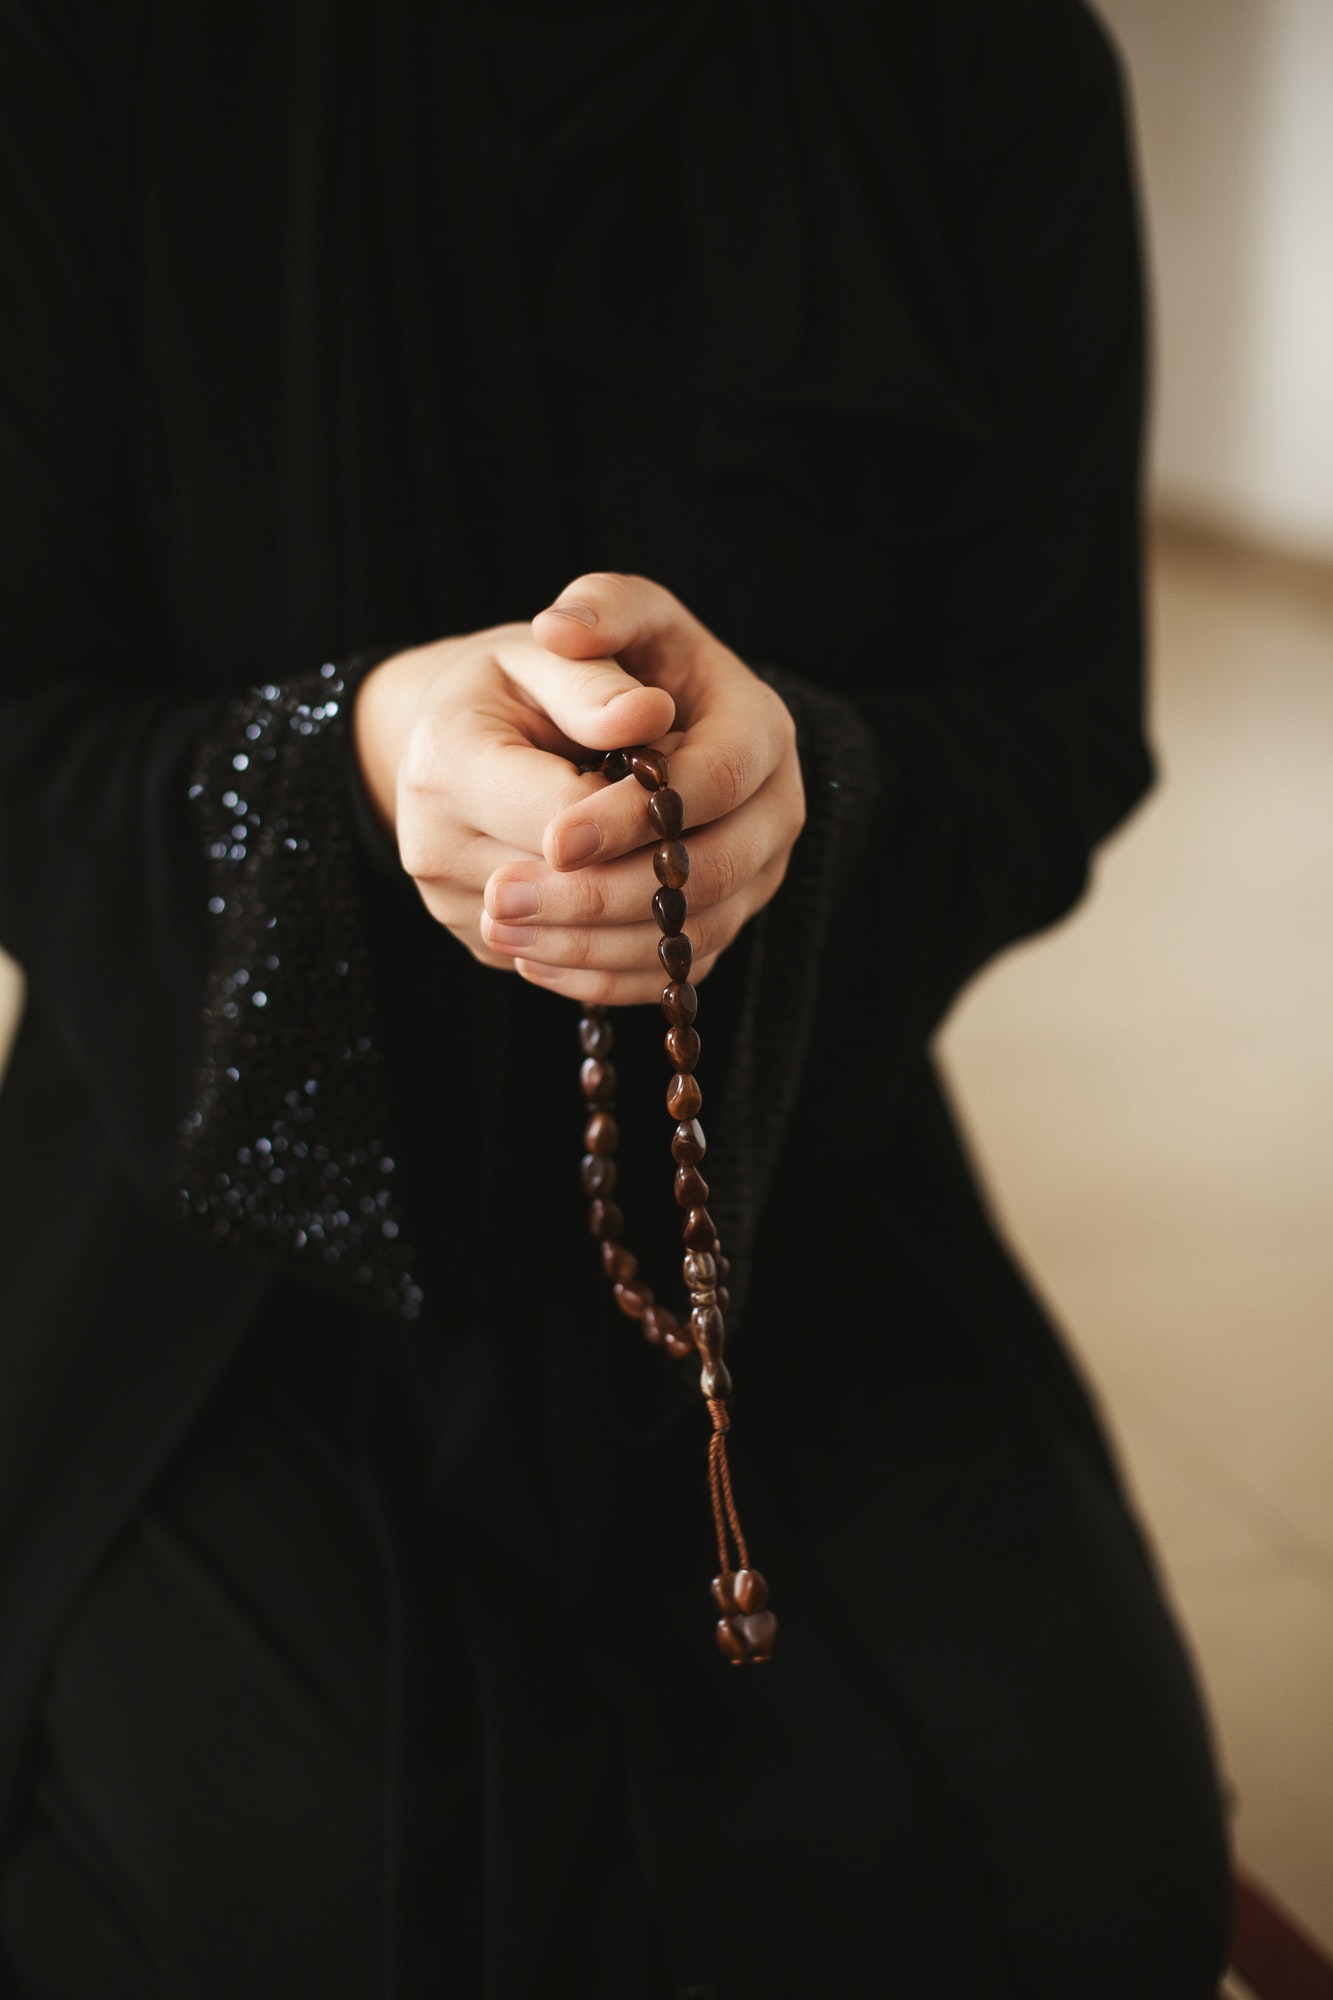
(1150, 1088)
(1235, 117)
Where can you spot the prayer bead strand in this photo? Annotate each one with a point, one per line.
(746, 1628)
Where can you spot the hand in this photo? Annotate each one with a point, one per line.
(470, 747)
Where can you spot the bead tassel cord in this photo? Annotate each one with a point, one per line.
(746, 1628)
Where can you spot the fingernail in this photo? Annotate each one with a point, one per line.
(578, 843)
(569, 607)
(516, 937)
(515, 899)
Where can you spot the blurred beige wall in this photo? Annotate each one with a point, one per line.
(1234, 105)
(11, 993)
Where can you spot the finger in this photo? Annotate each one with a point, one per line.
(581, 947)
(606, 989)
(740, 735)
(722, 857)
(471, 771)
(639, 621)
(630, 947)
(741, 738)
(634, 947)
(592, 699)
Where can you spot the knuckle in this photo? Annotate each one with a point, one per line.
(719, 876)
(730, 772)
(578, 947)
(592, 899)
(588, 681)
(575, 899)
(424, 757)
(716, 933)
(416, 850)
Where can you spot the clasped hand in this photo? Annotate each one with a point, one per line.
(471, 749)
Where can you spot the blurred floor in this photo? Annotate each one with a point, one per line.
(1150, 1092)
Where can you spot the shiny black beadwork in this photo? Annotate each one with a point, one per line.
(285, 1150)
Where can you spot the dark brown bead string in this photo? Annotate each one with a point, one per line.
(746, 1628)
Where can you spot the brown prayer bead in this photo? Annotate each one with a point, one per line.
(691, 1188)
(758, 1629)
(683, 1045)
(730, 1643)
(723, 1299)
(658, 1322)
(597, 1174)
(723, 1266)
(595, 1035)
(666, 810)
(715, 1381)
(677, 956)
(605, 1221)
(699, 1232)
(678, 1343)
(619, 1263)
(749, 1588)
(601, 1134)
(741, 1591)
(684, 1099)
(670, 907)
(615, 765)
(649, 767)
(709, 1333)
(633, 1297)
(598, 1079)
(688, 1144)
(671, 864)
(700, 1268)
(680, 1002)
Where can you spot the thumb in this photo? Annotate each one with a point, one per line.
(631, 617)
(592, 701)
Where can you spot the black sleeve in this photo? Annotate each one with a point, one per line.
(987, 772)
(135, 879)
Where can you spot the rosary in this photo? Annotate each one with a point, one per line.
(746, 1627)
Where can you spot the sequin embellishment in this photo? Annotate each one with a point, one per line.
(285, 1151)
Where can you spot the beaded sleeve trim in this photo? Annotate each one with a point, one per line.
(285, 1151)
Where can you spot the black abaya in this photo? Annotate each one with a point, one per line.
(354, 1565)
